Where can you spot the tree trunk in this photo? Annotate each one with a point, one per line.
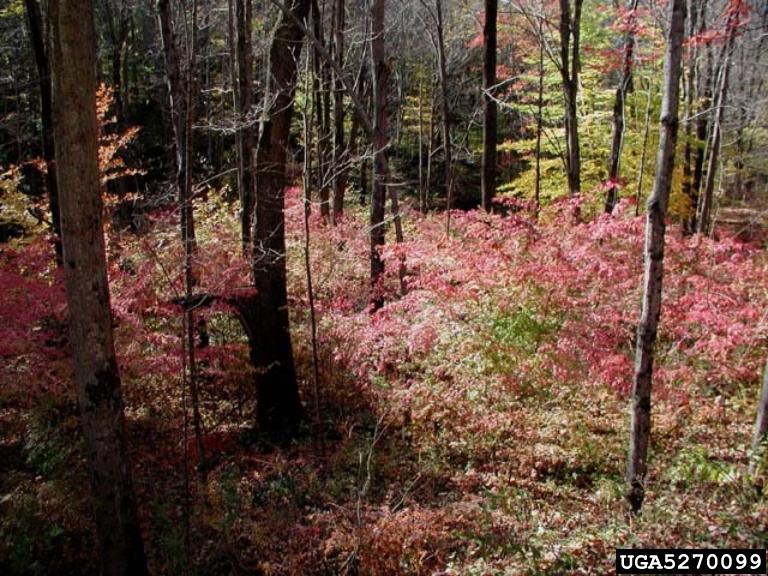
(761, 425)
(704, 94)
(246, 122)
(279, 408)
(354, 132)
(378, 196)
(654, 261)
(117, 32)
(692, 195)
(644, 153)
(306, 182)
(189, 242)
(570, 37)
(707, 198)
(177, 92)
(339, 151)
(443, 77)
(431, 145)
(539, 113)
(488, 182)
(44, 79)
(617, 137)
(321, 109)
(422, 184)
(90, 322)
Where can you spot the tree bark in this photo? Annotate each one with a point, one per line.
(339, 150)
(279, 408)
(90, 322)
(704, 96)
(488, 182)
(177, 93)
(570, 65)
(117, 31)
(617, 136)
(422, 183)
(246, 122)
(690, 91)
(378, 195)
(644, 153)
(707, 198)
(42, 62)
(654, 261)
(322, 114)
(446, 113)
(539, 113)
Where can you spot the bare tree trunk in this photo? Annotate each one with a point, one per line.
(339, 151)
(422, 184)
(443, 77)
(688, 190)
(761, 425)
(117, 31)
(431, 146)
(42, 61)
(488, 182)
(704, 94)
(232, 62)
(322, 116)
(307, 256)
(187, 208)
(570, 66)
(354, 133)
(707, 199)
(380, 75)
(279, 408)
(539, 112)
(177, 93)
(246, 140)
(90, 322)
(654, 261)
(644, 154)
(617, 138)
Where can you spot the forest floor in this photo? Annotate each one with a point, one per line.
(476, 425)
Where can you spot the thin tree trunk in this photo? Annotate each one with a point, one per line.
(570, 37)
(246, 123)
(85, 272)
(354, 132)
(617, 137)
(446, 115)
(707, 199)
(180, 89)
(488, 182)
(339, 150)
(422, 186)
(39, 47)
(539, 112)
(704, 93)
(380, 70)
(431, 147)
(688, 189)
(654, 262)
(187, 208)
(232, 61)
(321, 116)
(177, 93)
(644, 154)
(279, 408)
(307, 256)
